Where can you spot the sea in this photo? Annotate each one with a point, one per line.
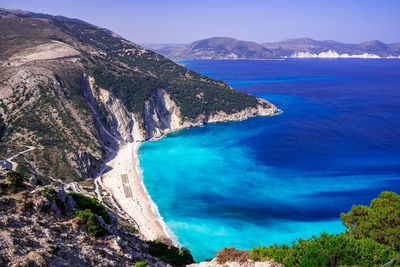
(270, 180)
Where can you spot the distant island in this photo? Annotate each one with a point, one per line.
(230, 48)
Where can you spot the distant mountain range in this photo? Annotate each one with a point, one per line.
(218, 48)
(306, 47)
(230, 48)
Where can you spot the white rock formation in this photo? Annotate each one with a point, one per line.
(332, 54)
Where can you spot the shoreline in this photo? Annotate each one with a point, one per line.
(168, 232)
(124, 184)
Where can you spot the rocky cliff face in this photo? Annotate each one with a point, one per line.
(161, 115)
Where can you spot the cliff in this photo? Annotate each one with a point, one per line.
(77, 92)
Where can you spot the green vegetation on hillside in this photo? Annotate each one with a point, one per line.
(91, 204)
(380, 221)
(92, 223)
(371, 239)
(89, 208)
(170, 254)
(141, 264)
(327, 250)
(2, 127)
(15, 182)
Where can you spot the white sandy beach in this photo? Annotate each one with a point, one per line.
(125, 185)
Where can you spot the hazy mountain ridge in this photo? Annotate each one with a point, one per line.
(218, 48)
(230, 48)
(291, 47)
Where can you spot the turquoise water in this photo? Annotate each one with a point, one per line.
(275, 179)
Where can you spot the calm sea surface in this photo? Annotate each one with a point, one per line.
(274, 179)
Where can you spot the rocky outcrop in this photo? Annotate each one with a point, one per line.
(161, 115)
(122, 127)
(38, 227)
(86, 164)
(106, 138)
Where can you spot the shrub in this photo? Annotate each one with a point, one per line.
(141, 264)
(16, 182)
(91, 204)
(232, 255)
(22, 169)
(131, 229)
(380, 221)
(92, 223)
(327, 250)
(51, 195)
(2, 124)
(170, 254)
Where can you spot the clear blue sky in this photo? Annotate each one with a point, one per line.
(181, 21)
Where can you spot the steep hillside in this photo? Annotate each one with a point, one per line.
(218, 48)
(293, 47)
(44, 226)
(77, 92)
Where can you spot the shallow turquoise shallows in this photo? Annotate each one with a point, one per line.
(271, 180)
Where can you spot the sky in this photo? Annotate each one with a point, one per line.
(184, 21)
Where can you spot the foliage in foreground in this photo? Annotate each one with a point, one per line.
(91, 204)
(141, 264)
(327, 250)
(92, 223)
(372, 238)
(380, 221)
(170, 254)
(51, 195)
(2, 127)
(16, 182)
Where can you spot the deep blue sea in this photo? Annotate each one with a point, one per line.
(271, 180)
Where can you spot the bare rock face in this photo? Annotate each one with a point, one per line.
(121, 126)
(161, 115)
(38, 231)
(47, 51)
(85, 163)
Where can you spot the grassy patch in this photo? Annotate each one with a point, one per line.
(91, 204)
(92, 223)
(16, 182)
(170, 254)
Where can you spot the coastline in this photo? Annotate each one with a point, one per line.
(167, 231)
(124, 184)
(122, 181)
